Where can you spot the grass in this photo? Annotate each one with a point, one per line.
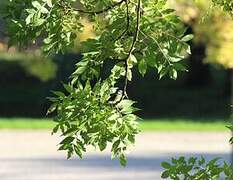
(26, 123)
(183, 125)
(147, 125)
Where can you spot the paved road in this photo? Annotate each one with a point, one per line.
(32, 155)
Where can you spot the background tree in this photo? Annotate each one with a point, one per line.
(215, 43)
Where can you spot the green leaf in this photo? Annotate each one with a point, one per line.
(132, 59)
(126, 106)
(230, 128)
(36, 4)
(78, 151)
(142, 67)
(70, 153)
(201, 161)
(81, 67)
(67, 140)
(28, 19)
(181, 159)
(70, 131)
(168, 11)
(115, 145)
(39, 7)
(125, 103)
(180, 67)
(173, 74)
(55, 129)
(123, 160)
(68, 88)
(231, 140)
(166, 165)
(131, 138)
(58, 93)
(187, 38)
(52, 108)
(174, 161)
(192, 160)
(213, 161)
(165, 174)
(102, 145)
(163, 72)
(48, 2)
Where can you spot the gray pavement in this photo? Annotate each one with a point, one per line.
(32, 155)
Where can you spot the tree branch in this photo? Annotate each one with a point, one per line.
(132, 46)
(127, 19)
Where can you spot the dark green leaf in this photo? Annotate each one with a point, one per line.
(67, 140)
(142, 67)
(166, 165)
(187, 38)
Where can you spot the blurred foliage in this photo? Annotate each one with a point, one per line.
(226, 5)
(211, 26)
(32, 62)
(140, 90)
(87, 33)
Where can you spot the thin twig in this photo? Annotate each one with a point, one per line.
(127, 19)
(132, 47)
(158, 45)
(174, 37)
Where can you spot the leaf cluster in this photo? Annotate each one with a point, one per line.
(95, 110)
(42, 22)
(86, 117)
(198, 169)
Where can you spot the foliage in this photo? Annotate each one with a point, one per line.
(88, 32)
(226, 5)
(231, 128)
(219, 51)
(96, 110)
(201, 15)
(87, 117)
(198, 169)
(33, 63)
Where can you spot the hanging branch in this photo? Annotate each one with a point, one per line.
(132, 47)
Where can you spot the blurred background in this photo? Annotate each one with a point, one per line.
(204, 92)
(199, 101)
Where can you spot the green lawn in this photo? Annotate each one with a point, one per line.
(147, 125)
(183, 125)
